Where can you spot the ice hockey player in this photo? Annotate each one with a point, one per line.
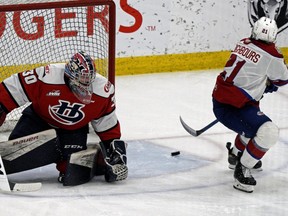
(255, 67)
(66, 97)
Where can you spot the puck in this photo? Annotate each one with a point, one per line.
(175, 153)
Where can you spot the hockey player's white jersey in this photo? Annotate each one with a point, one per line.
(251, 65)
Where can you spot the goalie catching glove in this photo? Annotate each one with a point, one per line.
(116, 161)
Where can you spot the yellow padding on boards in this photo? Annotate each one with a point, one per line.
(171, 62)
(175, 62)
(157, 63)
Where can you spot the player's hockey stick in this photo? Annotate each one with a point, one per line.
(8, 186)
(196, 133)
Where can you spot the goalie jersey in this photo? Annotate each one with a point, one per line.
(251, 66)
(56, 104)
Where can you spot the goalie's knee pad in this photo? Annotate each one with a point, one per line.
(267, 135)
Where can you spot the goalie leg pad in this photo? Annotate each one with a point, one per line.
(29, 152)
(82, 166)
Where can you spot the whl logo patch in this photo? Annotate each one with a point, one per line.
(67, 113)
(54, 93)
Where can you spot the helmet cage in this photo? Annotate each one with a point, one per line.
(81, 73)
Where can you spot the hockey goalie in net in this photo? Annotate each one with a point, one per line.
(65, 97)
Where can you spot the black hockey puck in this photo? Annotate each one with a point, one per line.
(175, 153)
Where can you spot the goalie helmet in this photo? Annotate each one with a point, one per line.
(81, 72)
(265, 29)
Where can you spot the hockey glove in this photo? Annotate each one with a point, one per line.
(115, 160)
(271, 88)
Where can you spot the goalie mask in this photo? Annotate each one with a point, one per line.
(81, 72)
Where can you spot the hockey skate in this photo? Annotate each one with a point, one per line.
(244, 181)
(232, 159)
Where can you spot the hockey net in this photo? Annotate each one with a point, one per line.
(39, 32)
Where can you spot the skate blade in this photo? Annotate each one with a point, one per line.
(243, 187)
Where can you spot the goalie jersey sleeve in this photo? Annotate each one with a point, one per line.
(251, 64)
(55, 103)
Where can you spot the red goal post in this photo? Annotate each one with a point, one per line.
(38, 32)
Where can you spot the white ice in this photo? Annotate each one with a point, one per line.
(197, 182)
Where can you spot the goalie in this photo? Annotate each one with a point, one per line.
(66, 98)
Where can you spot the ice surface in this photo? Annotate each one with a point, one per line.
(196, 182)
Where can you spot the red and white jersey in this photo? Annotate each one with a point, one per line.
(56, 104)
(245, 75)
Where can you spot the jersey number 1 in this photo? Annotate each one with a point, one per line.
(236, 69)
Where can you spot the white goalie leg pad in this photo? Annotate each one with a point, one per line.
(266, 137)
(85, 157)
(82, 166)
(13, 149)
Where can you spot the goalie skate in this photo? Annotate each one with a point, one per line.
(232, 159)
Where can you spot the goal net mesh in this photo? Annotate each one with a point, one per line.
(36, 33)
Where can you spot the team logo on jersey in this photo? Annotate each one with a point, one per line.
(67, 113)
(274, 9)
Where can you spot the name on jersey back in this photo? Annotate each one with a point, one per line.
(247, 53)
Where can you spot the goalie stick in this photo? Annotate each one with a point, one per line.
(8, 186)
(196, 133)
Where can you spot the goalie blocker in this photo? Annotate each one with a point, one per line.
(40, 149)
